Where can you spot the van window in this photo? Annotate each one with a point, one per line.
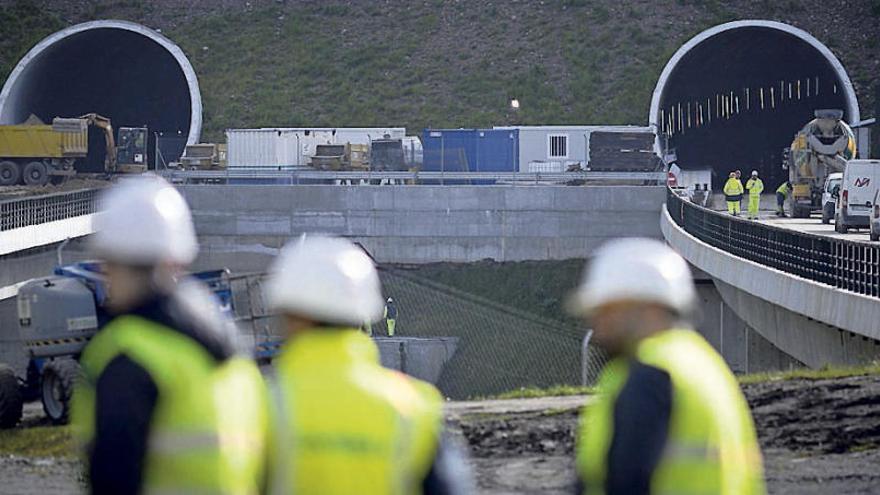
(832, 183)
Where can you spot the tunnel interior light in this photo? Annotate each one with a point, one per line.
(764, 92)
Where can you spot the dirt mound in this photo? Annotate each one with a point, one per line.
(827, 416)
(15, 192)
(550, 433)
(818, 436)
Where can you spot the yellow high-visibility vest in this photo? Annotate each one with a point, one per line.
(712, 446)
(755, 187)
(733, 187)
(344, 424)
(209, 426)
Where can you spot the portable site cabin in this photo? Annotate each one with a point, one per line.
(293, 147)
(470, 150)
(556, 148)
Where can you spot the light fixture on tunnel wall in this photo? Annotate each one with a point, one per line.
(740, 101)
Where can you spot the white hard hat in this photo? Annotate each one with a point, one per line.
(635, 269)
(144, 221)
(390, 300)
(754, 172)
(327, 279)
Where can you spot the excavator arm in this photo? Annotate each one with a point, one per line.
(103, 123)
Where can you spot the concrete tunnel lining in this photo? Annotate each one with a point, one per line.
(747, 51)
(124, 70)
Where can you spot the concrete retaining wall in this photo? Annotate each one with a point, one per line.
(422, 224)
(421, 357)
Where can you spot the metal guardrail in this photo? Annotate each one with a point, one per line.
(294, 176)
(848, 265)
(34, 210)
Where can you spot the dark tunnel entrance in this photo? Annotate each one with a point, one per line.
(735, 99)
(120, 70)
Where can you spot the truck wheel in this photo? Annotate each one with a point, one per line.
(11, 400)
(9, 173)
(59, 379)
(826, 215)
(800, 212)
(35, 174)
(874, 236)
(839, 227)
(58, 180)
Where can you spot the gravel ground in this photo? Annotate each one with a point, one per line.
(818, 437)
(15, 192)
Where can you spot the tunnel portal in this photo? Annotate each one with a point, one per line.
(734, 96)
(124, 71)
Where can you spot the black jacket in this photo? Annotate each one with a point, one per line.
(126, 395)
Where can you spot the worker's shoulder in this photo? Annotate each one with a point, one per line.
(398, 386)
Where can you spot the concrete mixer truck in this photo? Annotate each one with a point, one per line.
(821, 148)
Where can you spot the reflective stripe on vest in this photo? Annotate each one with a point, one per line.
(209, 425)
(344, 424)
(712, 447)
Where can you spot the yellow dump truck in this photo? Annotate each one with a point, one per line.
(346, 156)
(35, 153)
(203, 156)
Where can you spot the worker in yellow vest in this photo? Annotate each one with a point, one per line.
(669, 416)
(390, 315)
(165, 404)
(733, 191)
(755, 186)
(782, 193)
(342, 423)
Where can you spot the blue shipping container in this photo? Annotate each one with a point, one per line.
(471, 150)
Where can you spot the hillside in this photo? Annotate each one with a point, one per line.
(439, 63)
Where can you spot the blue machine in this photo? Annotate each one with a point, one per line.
(471, 150)
(57, 316)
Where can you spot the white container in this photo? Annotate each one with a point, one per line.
(274, 147)
(546, 167)
(293, 147)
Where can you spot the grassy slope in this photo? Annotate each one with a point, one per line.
(827, 373)
(436, 63)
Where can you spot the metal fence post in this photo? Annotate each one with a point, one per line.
(585, 357)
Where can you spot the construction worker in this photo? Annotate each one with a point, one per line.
(670, 416)
(782, 193)
(733, 191)
(390, 315)
(165, 404)
(344, 424)
(755, 186)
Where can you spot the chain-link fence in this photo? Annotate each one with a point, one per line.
(500, 348)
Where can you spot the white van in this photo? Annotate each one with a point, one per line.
(828, 197)
(861, 178)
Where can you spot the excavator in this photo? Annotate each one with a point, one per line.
(820, 148)
(35, 153)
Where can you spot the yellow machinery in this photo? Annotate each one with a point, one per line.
(341, 157)
(34, 153)
(821, 148)
(204, 156)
